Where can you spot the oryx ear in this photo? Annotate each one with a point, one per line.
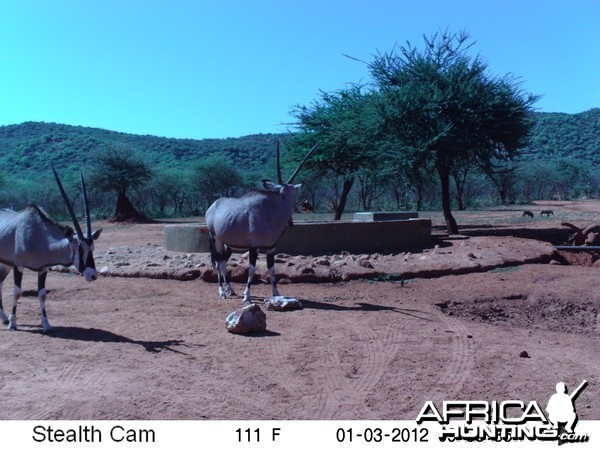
(297, 186)
(270, 186)
(68, 232)
(96, 234)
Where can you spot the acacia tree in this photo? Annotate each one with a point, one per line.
(346, 124)
(443, 108)
(119, 170)
(215, 177)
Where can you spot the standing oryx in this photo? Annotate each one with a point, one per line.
(254, 221)
(29, 239)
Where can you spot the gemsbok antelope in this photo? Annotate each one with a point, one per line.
(254, 222)
(29, 239)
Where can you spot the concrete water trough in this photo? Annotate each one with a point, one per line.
(319, 238)
(384, 216)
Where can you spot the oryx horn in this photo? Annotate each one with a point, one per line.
(302, 163)
(279, 179)
(69, 207)
(86, 209)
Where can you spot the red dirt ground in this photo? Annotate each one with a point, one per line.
(140, 344)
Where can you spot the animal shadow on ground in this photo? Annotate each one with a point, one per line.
(329, 306)
(97, 335)
(265, 333)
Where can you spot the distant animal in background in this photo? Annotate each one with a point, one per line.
(527, 214)
(546, 212)
(307, 206)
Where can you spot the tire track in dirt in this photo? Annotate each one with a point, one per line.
(283, 372)
(347, 394)
(62, 383)
(461, 353)
(342, 391)
(332, 389)
(244, 402)
(67, 381)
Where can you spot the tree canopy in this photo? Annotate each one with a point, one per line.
(215, 177)
(120, 171)
(345, 124)
(442, 109)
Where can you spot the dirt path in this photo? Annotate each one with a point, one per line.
(150, 348)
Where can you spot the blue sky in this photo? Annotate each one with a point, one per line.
(214, 69)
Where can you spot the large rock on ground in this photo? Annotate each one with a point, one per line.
(249, 319)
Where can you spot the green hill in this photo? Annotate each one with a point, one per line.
(559, 135)
(561, 161)
(30, 148)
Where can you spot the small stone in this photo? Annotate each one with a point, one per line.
(365, 263)
(524, 354)
(152, 264)
(281, 303)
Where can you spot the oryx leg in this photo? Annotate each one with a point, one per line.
(222, 256)
(3, 274)
(228, 289)
(253, 256)
(42, 298)
(18, 277)
(271, 269)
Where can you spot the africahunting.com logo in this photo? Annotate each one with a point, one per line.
(510, 420)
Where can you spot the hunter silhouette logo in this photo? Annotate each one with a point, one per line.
(561, 407)
(508, 420)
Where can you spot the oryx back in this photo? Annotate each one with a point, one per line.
(255, 220)
(30, 239)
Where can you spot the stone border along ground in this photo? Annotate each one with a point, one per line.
(446, 257)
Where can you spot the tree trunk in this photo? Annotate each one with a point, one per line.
(419, 196)
(446, 202)
(339, 210)
(459, 182)
(125, 211)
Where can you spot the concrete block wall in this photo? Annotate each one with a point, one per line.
(318, 238)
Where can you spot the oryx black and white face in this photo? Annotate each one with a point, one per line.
(84, 257)
(83, 245)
